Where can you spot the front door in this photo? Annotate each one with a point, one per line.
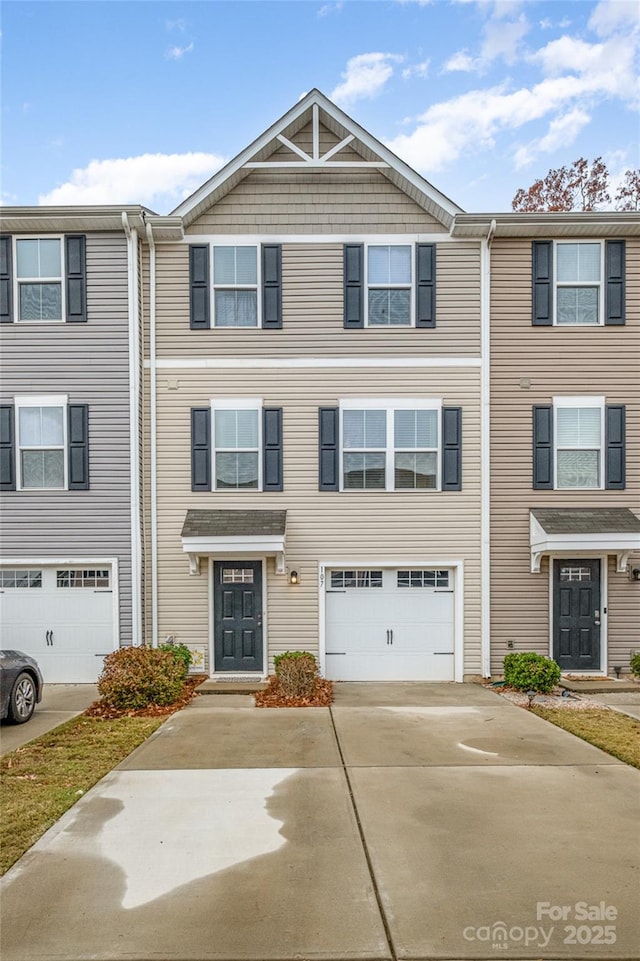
(237, 607)
(576, 617)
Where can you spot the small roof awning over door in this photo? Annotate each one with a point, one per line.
(584, 530)
(237, 533)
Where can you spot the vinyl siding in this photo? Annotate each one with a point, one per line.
(321, 526)
(312, 297)
(603, 361)
(89, 362)
(315, 202)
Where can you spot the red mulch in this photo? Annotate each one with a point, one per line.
(272, 696)
(108, 711)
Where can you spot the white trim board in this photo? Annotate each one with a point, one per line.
(255, 240)
(277, 363)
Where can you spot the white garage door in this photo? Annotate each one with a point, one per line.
(390, 625)
(62, 616)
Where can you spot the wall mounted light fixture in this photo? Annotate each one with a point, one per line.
(293, 577)
(635, 574)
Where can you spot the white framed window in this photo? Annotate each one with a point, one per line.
(422, 578)
(82, 578)
(579, 442)
(579, 291)
(358, 579)
(390, 444)
(41, 432)
(237, 443)
(20, 578)
(389, 281)
(39, 292)
(235, 286)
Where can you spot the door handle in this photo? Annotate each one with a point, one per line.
(391, 633)
(387, 637)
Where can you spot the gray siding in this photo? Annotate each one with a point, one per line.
(89, 362)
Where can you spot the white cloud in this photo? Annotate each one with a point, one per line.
(612, 15)
(179, 24)
(463, 62)
(562, 132)
(416, 70)
(177, 52)
(328, 8)
(365, 76)
(159, 181)
(502, 38)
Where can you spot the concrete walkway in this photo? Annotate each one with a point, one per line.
(410, 821)
(60, 702)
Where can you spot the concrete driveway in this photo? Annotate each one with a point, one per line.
(60, 702)
(409, 821)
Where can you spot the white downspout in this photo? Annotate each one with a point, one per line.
(153, 442)
(485, 447)
(134, 430)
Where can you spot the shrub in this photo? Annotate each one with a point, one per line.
(181, 651)
(296, 672)
(135, 677)
(635, 664)
(527, 671)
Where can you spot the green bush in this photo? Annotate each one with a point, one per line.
(635, 663)
(527, 671)
(135, 677)
(296, 672)
(181, 651)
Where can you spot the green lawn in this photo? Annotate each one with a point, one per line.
(615, 733)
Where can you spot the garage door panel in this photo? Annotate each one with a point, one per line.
(393, 632)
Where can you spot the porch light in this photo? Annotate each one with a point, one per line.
(293, 577)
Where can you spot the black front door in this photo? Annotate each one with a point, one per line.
(576, 614)
(237, 607)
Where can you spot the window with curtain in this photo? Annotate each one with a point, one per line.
(235, 286)
(578, 283)
(39, 278)
(236, 437)
(389, 281)
(578, 447)
(41, 442)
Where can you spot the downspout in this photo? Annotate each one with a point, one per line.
(485, 447)
(134, 431)
(153, 430)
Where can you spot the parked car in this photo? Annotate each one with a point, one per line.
(20, 686)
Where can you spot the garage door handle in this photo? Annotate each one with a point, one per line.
(49, 638)
(391, 637)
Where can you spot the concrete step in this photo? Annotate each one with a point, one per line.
(214, 686)
(600, 685)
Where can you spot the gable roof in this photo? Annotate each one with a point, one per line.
(316, 108)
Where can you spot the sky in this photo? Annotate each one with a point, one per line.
(112, 101)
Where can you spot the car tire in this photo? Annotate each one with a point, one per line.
(22, 702)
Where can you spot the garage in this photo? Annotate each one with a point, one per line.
(61, 615)
(390, 624)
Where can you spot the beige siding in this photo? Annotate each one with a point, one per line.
(321, 526)
(312, 282)
(603, 361)
(323, 202)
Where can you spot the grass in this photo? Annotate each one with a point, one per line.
(43, 779)
(615, 733)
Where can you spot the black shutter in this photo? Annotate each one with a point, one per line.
(615, 447)
(272, 449)
(200, 448)
(542, 283)
(199, 287)
(543, 448)
(329, 448)
(76, 273)
(615, 278)
(272, 286)
(353, 285)
(7, 448)
(78, 431)
(451, 448)
(6, 281)
(425, 285)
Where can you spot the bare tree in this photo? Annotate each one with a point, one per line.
(628, 193)
(582, 186)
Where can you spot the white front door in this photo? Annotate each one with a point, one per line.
(393, 625)
(63, 616)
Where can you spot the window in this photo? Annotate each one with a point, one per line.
(237, 575)
(20, 578)
(423, 578)
(576, 574)
(41, 433)
(345, 579)
(579, 431)
(236, 444)
(39, 272)
(235, 286)
(390, 445)
(389, 285)
(578, 293)
(82, 578)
